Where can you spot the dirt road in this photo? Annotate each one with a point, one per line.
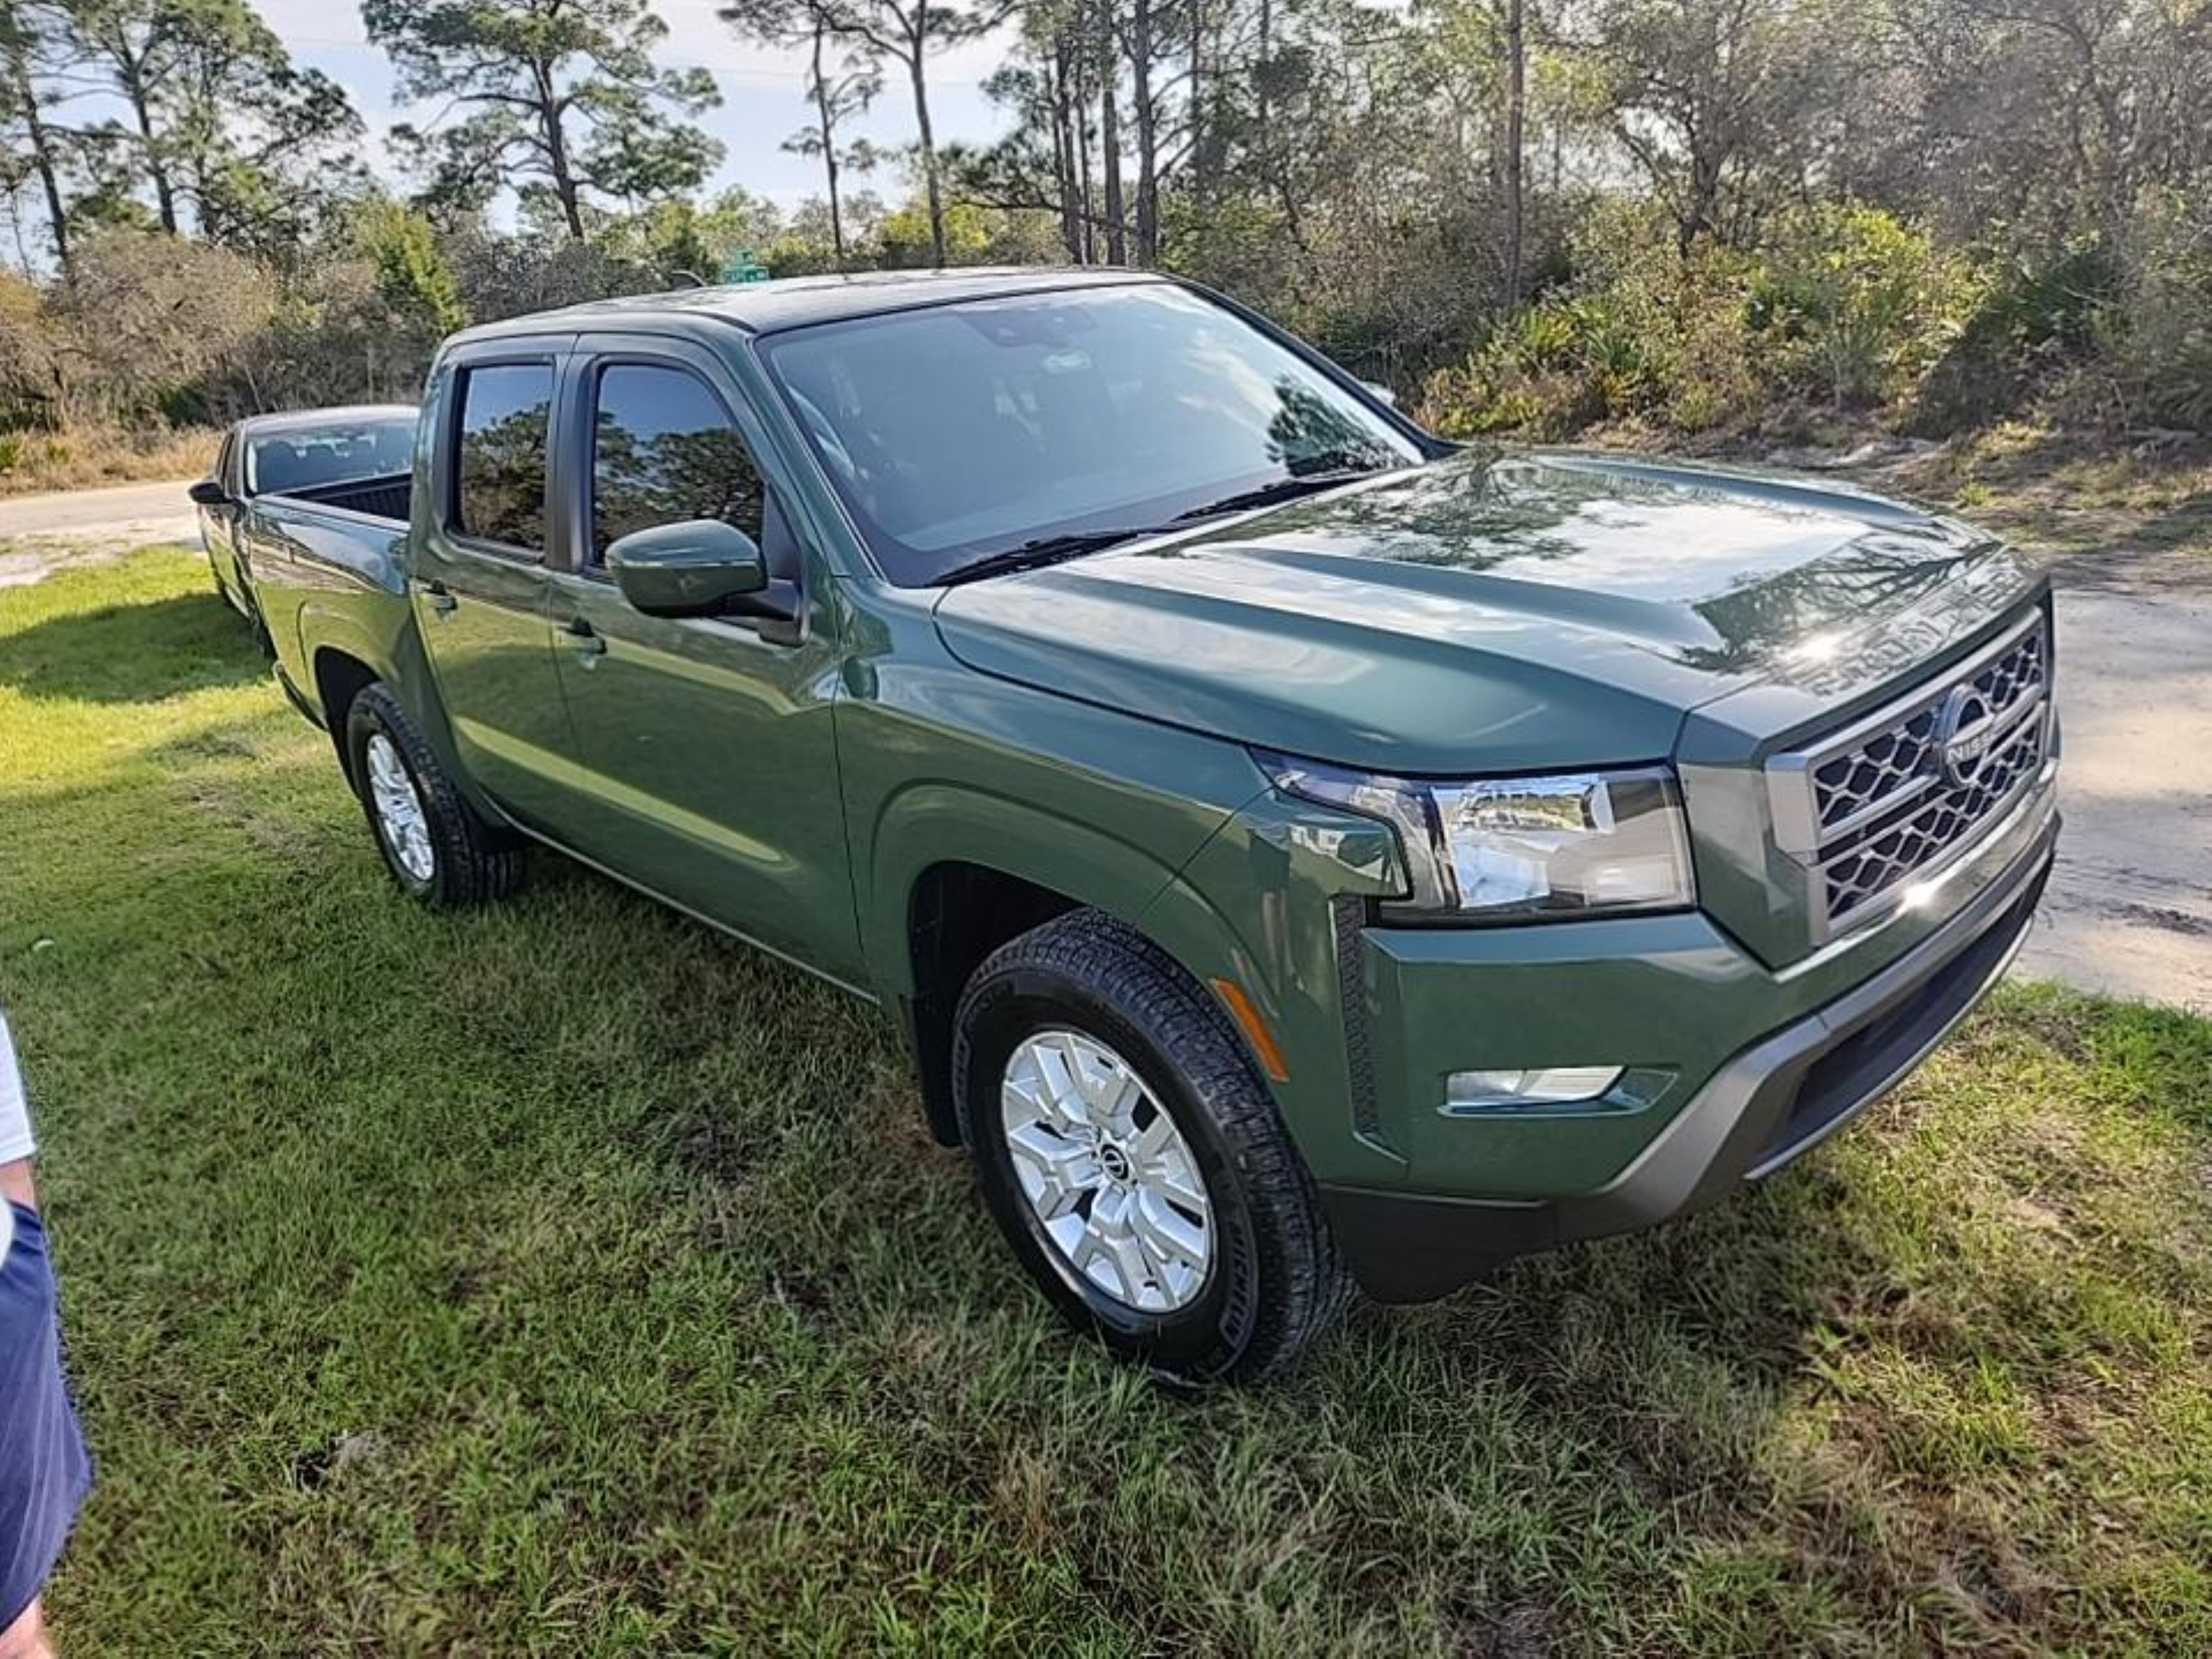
(40, 534)
(2129, 909)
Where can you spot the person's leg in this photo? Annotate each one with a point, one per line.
(43, 1470)
(27, 1637)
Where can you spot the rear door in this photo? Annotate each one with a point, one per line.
(478, 575)
(710, 768)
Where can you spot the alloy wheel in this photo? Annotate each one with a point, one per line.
(400, 817)
(1111, 1180)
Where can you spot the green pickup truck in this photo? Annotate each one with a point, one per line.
(1300, 852)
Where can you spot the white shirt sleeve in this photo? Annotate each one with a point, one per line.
(15, 1140)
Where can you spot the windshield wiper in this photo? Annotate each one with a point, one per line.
(1051, 550)
(1044, 551)
(1282, 489)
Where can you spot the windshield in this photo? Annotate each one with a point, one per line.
(959, 431)
(305, 457)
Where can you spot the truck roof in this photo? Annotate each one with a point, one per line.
(288, 420)
(793, 302)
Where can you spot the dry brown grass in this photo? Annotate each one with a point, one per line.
(85, 457)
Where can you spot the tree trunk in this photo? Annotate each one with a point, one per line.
(829, 152)
(1078, 104)
(1201, 168)
(157, 170)
(1148, 153)
(926, 143)
(1517, 65)
(556, 153)
(1110, 152)
(42, 153)
(1063, 152)
(1701, 211)
(925, 138)
(1266, 51)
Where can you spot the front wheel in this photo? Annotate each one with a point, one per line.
(1133, 1159)
(434, 843)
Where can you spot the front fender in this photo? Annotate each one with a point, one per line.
(929, 824)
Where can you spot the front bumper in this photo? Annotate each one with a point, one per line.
(1754, 1112)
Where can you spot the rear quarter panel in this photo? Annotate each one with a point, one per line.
(327, 580)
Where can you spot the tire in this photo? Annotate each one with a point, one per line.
(1272, 1280)
(457, 858)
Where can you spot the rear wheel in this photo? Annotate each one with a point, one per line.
(1133, 1159)
(434, 843)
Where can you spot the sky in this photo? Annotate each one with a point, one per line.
(763, 92)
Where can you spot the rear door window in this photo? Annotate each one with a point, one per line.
(663, 451)
(506, 410)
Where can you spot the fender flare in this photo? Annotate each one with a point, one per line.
(933, 824)
(400, 663)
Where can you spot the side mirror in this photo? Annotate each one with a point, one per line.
(1382, 394)
(207, 492)
(697, 567)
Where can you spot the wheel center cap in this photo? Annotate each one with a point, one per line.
(1114, 1161)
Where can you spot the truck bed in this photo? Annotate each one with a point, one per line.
(391, 496)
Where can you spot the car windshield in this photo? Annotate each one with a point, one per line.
(957, 433)
(296, 457)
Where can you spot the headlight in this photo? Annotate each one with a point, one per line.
(1587, 843)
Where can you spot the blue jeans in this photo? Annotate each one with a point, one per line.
(45, 1470)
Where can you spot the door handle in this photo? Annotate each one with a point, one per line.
(440, 601)
(584, 639)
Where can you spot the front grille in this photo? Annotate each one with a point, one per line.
(1910, 790)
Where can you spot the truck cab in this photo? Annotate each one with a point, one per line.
(1301, 853)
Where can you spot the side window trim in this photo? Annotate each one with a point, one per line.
(449, 451)
(591, 368)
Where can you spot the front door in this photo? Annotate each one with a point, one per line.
(478, 578)
(219, 525)
(709, 766)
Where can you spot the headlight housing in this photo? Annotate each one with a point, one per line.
(1579, 844)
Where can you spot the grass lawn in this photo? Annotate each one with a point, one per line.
(563, 1278)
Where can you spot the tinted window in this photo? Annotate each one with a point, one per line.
(956, 430)
(305, 458)
(502, 494)
(664, 451)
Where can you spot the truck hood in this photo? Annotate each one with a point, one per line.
(1492, 609)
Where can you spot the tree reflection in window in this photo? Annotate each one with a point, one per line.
(505, 410)
(1308, 434)
(663, 451)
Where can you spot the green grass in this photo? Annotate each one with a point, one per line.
(562, 1278)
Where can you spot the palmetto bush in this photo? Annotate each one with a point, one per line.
(1848, 307)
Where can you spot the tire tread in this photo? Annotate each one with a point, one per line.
(1304, 1283)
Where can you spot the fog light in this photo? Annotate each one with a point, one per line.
(1543, 1085)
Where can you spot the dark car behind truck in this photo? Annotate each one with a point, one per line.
(1300, 852)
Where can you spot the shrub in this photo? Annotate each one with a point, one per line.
(145, 317)
(1858, 304)
(2034, 315)
(1849, 305)
(2156, 333)
(1640, 332)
